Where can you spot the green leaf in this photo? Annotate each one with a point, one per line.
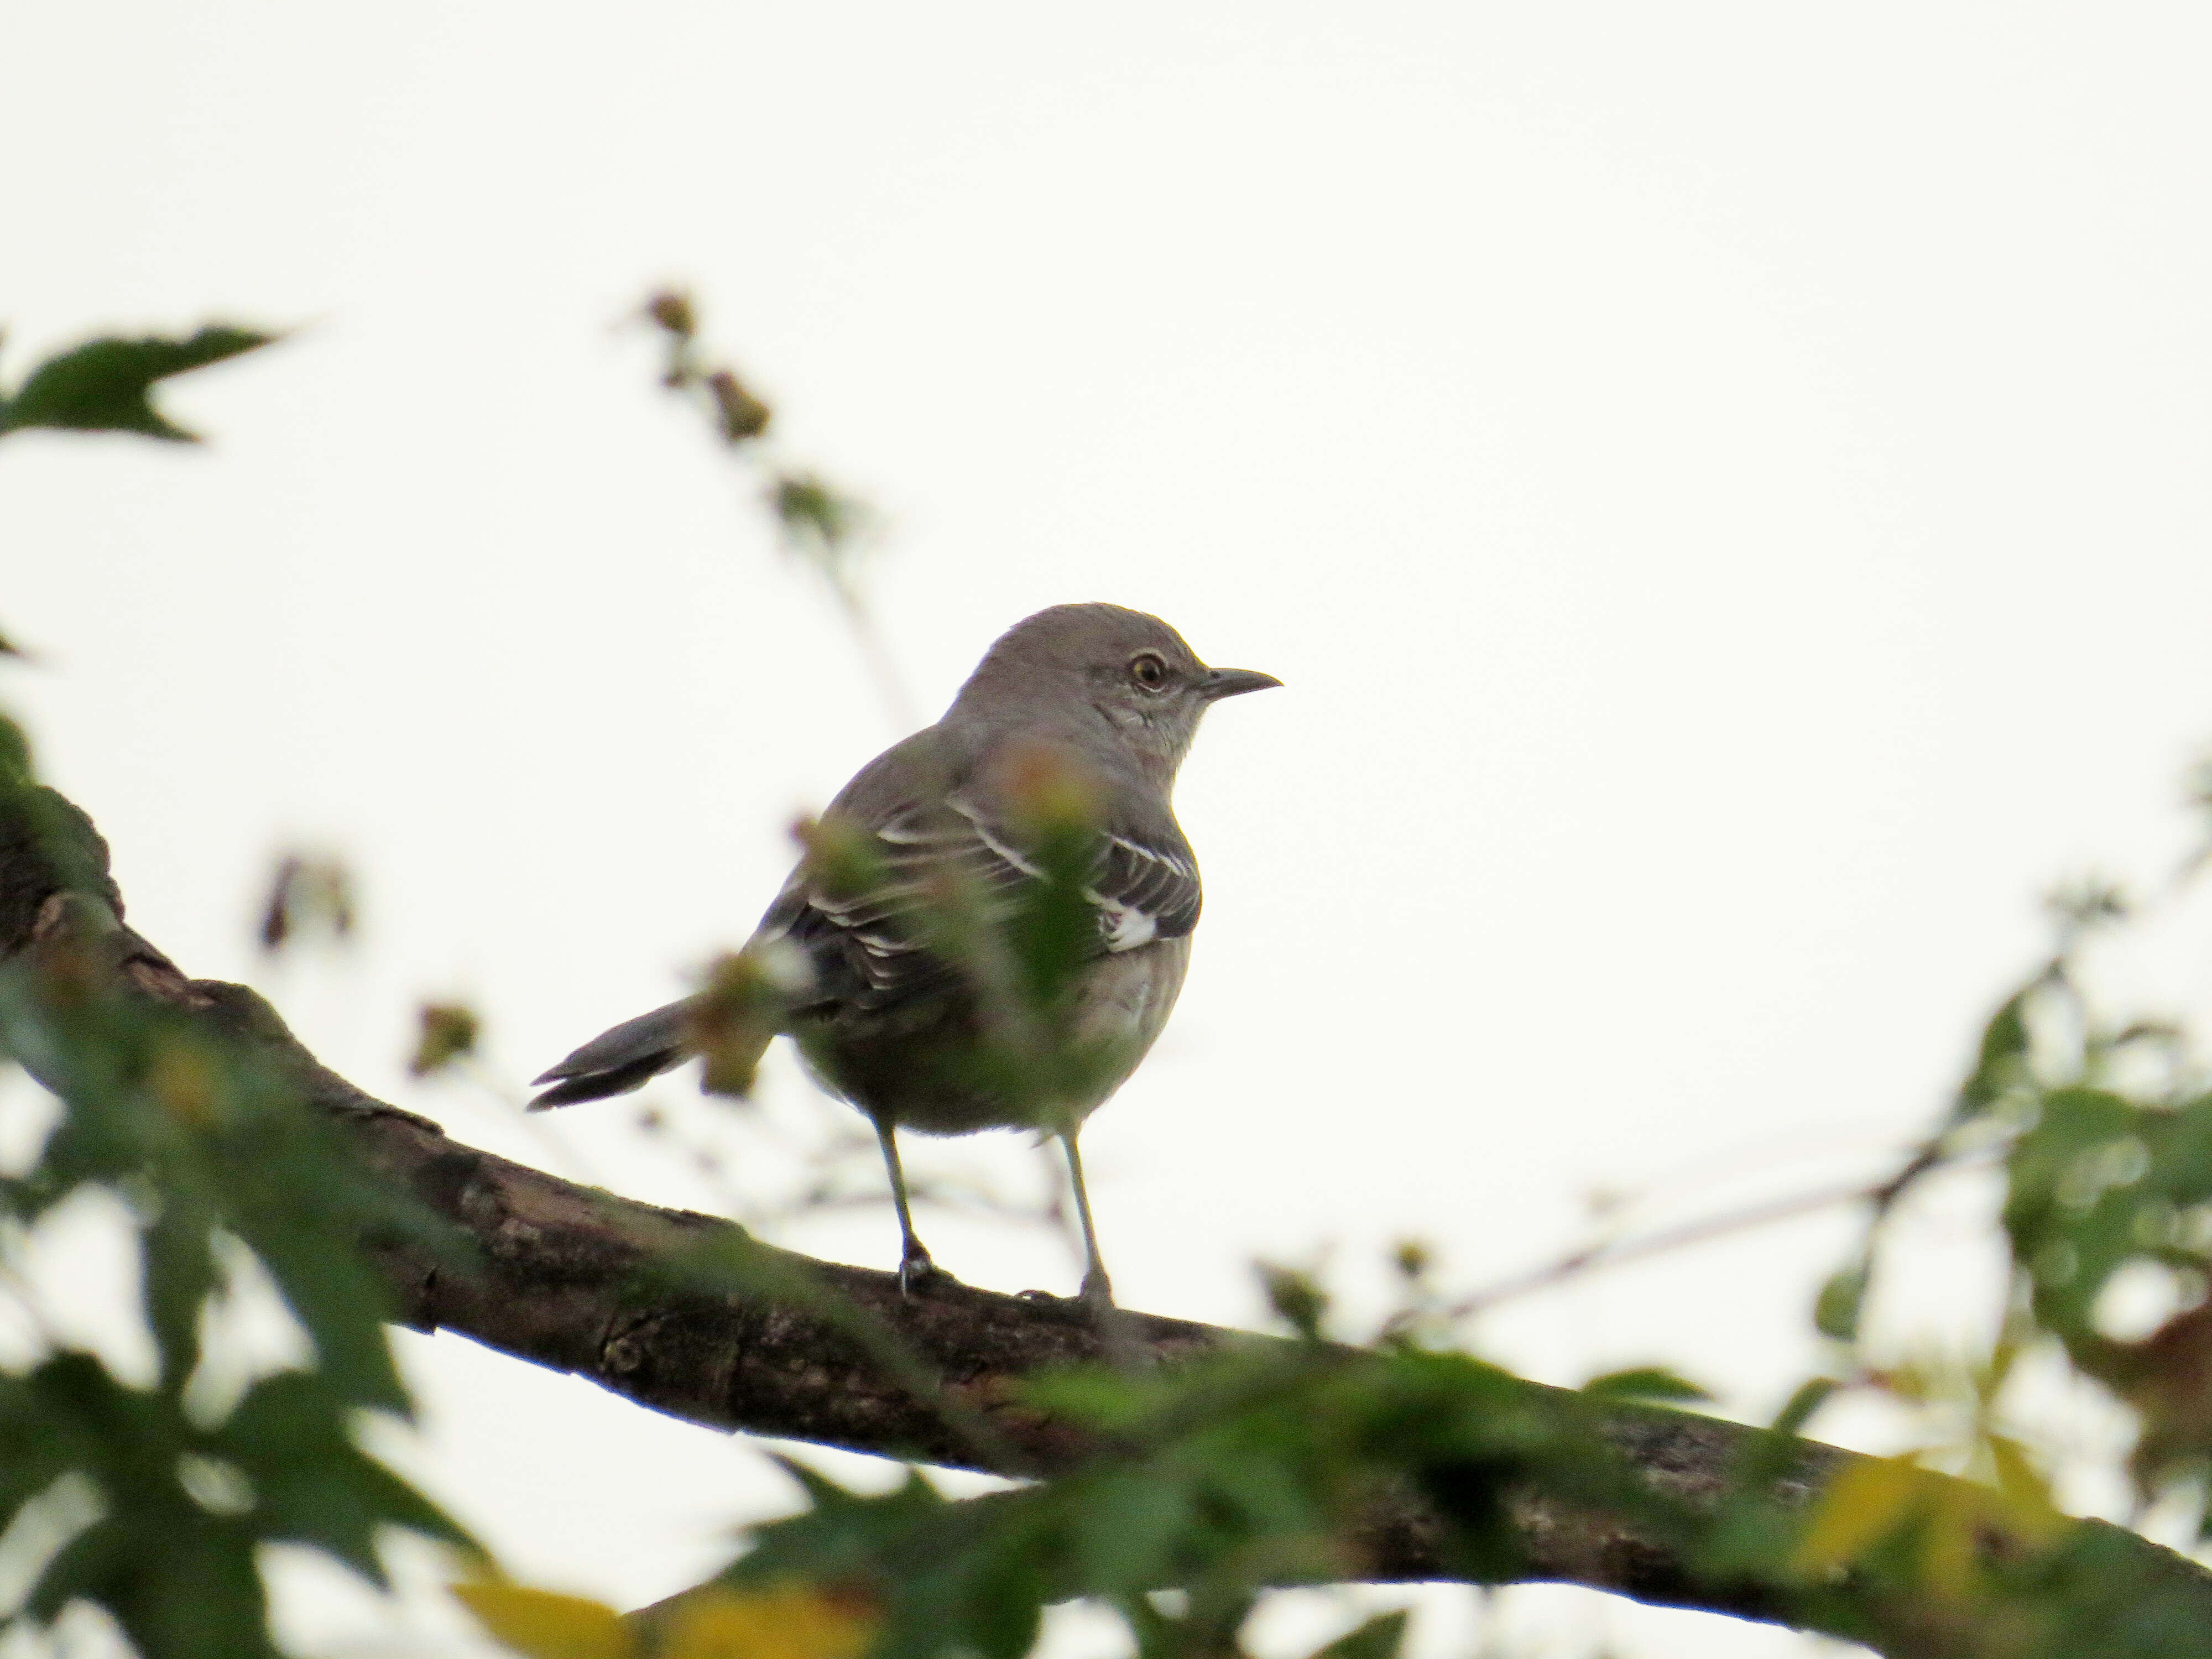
(338, 1301)
(81, 1569)
(1836, 1311)
(1108, 1400)
(1643, 1383)
(1798, 1410)
(105, 386)
(36, 1447)
(2094, 1176)
(178, 1582)
(1005, 1604)
(1379, 1638)
(1296, 1298)
(815, 518)
(823, 1494)
(1129, 1527)
(178, 1270)
(844, 1533)
(197, 1595)
(15, 755)
(2000, 1058)
(313, 1484)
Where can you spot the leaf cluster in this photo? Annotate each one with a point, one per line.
(2101, 1136)
(1252, 1468)
(213, 1152)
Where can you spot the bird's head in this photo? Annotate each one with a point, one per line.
(1084, 662)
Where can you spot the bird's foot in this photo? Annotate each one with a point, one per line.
(918, 1273)
(1097, 1297)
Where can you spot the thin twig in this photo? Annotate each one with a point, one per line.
(1612, 1253)
(868, 640)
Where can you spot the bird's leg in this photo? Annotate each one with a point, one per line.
(915, 1269)
(1097, 1290)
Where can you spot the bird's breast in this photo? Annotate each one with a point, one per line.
(918, 1068)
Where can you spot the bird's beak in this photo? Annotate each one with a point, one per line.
(1221, 683)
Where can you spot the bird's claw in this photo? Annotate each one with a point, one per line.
(917, 1272)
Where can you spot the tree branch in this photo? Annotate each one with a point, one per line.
(585, 1281)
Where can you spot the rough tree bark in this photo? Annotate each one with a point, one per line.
(565, 1278)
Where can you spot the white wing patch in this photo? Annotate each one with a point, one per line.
(1126, 926)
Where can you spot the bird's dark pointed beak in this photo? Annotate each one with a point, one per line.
(1221, 683)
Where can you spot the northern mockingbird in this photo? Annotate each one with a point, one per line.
(904, 945)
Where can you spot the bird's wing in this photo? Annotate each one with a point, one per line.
(872, 947)
(868, 946)
(1147, 885)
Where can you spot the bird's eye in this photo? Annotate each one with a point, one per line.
(1148, 670)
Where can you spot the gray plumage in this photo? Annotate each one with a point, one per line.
(1089, 696)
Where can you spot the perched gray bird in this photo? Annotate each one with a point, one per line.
(1082, 712)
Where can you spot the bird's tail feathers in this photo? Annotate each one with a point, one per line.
(622, 1058)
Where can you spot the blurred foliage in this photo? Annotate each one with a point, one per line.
(445, 1032)
(107, 385)
(739, 1011)
(1267, 1467)
(149, 1499)
(206, 1146)
(1243, 1471)
(818, 522)
(2102, 1132)
(309, 895)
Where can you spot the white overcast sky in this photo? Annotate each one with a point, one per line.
(1724, 486)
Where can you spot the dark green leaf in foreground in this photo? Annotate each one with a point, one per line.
(204, 1133)
(1228, 1474)
(107, 385)
(313, 1484)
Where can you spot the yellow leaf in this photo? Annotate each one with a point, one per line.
(544, 1624)
(183, 1077)
(2028, 1511)
(1955, 1523)
(1862, 1505)
(1951, 1537)
(790, 1619)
